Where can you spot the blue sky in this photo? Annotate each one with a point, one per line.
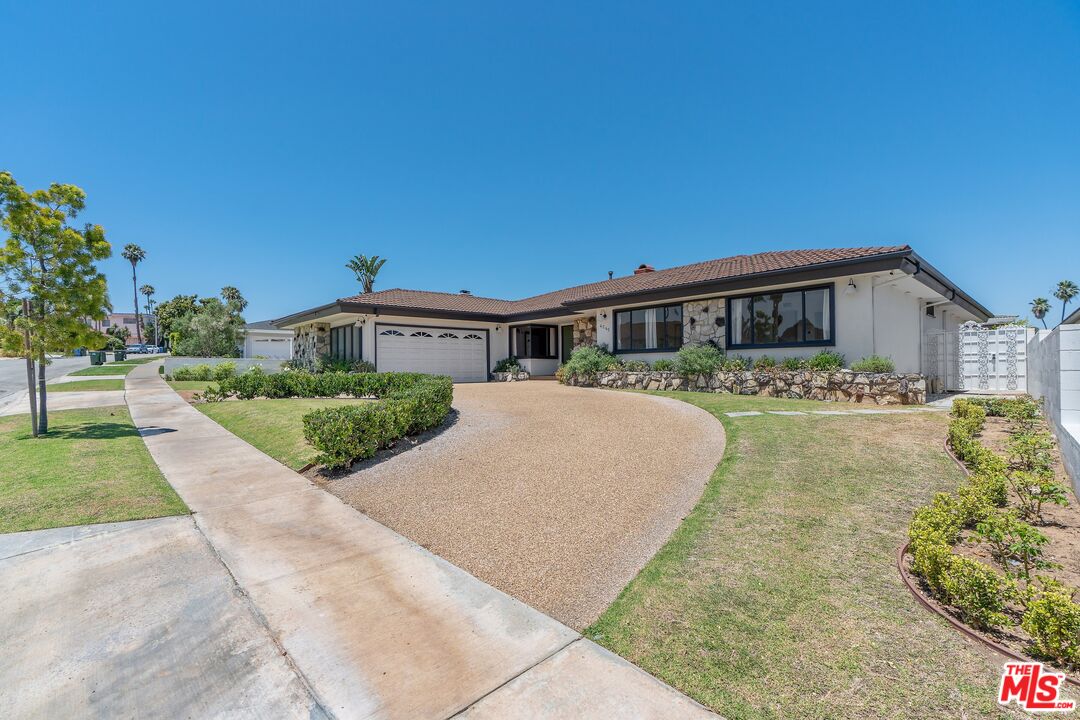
(514, 148)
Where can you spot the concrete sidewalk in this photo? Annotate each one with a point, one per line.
(375, 625)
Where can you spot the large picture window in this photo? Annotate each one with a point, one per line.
(345, 343)
(535, 341)
(783, 318)
(649, 329)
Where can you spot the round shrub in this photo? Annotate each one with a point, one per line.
(826, 360)
(696, 360)
(587, 361)
(1053, 621)
(664, 365)
(764, 363)
(635, 366)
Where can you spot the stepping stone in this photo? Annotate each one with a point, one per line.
(745, 413)
(830, 412)
(786, 412)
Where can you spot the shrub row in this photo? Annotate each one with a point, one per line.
(407, 403)
(343, 435)
(705, 359)
(203, 371)
(980, 594)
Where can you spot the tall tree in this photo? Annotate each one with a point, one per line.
(1039, 307)
(233, 299)
(135, 255)
(51, 265)
(148, 292)
(1065, 292)
(366, 268)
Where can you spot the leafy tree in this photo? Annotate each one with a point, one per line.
(213, 330)
(1065, 292)
(51, 264)
(1039, 307)
(135, 255)
(170, 311)
(366, 268)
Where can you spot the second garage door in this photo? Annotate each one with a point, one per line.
(461, 354)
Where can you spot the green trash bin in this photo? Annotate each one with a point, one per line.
(97, 357)
(119, 355)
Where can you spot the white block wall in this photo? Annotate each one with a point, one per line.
(1054, 376)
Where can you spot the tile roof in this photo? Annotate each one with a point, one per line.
(708, 271)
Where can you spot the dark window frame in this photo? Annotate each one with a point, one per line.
(666, 349)
(553, 347)
(347, 343)
(830, 287)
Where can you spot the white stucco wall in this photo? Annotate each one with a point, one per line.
(883, 320)
(1053, 366)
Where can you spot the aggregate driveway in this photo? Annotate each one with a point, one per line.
(555, 495)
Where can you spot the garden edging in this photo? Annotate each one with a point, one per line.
(832, 385)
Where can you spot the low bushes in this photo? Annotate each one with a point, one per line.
(1013, 593)
(697, 360)
(507, 365)
(408, 403)
(343, 435)
(826, 360)
(874, 364)
(588, 361)
(204, 371)
(664, 365)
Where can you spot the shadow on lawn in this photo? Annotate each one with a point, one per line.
(90, 431)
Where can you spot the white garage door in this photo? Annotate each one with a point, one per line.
(461, 354)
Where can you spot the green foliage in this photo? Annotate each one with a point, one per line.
(1016, 545)
(1035, 489)
(170, 311)
(1052, 619)
(1011, 407)
(507, 365)
(764, 363)
(635, 365)
(664, 365)
(938, 523)
(54, 266)
(1065, 291)
(362, 366)
(224, 370)
(826, 360)
(213, 330)
(976, 591)
(874, 364)
(1040, 306)
(587, 361)
(697, 360)
(345, 434)
(794, 363)
(327, 363)
(736, 363)
(1031, 451)
(366, 269)
(201, 371)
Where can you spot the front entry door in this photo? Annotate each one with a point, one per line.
(567, 341)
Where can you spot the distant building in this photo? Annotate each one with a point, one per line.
(112, 320)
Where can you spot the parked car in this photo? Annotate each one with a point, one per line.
(136, 349)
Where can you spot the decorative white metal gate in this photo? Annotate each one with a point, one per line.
(976, 358)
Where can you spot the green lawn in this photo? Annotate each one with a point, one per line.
(133, 360)
(91, 467)
(273, 426)
(191, 385)
(110, 369)
(778, 596)
(86, 385)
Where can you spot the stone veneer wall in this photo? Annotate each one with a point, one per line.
(703, 321)
(838, 386)
(585, 331)
(510, 377)
(312, 341)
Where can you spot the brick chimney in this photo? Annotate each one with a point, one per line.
(643, 268)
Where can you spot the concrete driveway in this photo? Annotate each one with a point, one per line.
(555, 495)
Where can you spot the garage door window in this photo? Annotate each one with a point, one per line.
(346, 343)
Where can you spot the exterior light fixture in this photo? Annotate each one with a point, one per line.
(851, 288)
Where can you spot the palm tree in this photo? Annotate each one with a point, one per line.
(1039, 307)
(135, 255)
(1065, 292)
(233, 297)
(366, 268)
(148, 291)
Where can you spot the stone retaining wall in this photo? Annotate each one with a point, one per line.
(510, 377)
(837, 386)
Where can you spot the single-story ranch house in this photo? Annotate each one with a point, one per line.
(857, 301)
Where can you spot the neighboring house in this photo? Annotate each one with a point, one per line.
(263, 340)
(112, 320)
(858, 301)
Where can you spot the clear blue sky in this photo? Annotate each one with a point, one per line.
(514, 148)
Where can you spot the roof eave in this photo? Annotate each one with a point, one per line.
(932, 278)
(805, 273)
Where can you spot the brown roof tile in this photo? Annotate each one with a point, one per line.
(702, 272)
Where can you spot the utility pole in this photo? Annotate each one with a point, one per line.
(29, 367)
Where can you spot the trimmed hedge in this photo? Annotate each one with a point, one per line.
(408, 403)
